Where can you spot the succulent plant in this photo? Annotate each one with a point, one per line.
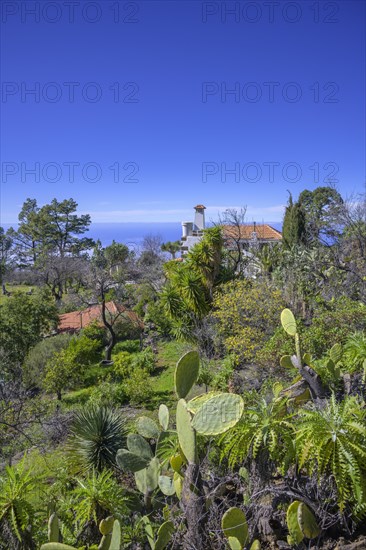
(166, 485)
(301, 523)
(53, 528)
(147, 427)
(147, 479)
(164, 416)
(234, 526)
(186, 373)
(163, 536)
(288, 322)
(186, 433)
(218, 414)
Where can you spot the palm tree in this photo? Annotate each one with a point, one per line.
(171, 247)
(96, 435)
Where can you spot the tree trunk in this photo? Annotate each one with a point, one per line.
(193, 503)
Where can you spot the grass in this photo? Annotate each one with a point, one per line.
(14, 288)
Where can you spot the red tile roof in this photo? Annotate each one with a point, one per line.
(245, 232)
(76, 320)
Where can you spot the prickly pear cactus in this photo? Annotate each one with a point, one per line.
(53, 528)
(106, 525)
(166, 485)
(137, 445)
(164, 416)
(147, 480)
(256, 545)
(147, 427)
(56, 546)
(186, 434)
(196, 403)
(288, 322)
(234, 543)
(307, 522)
(186, 373)
(130, 461)
(234, 525)
(286, 362)
(295, 533)
(218, 414)
(165, 533)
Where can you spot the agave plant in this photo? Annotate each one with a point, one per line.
(332, 440)
(96, 435)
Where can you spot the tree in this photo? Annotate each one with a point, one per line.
(6, 243)
(247, 313)
(234, 255)
(24, 320)
(321, 208)
(293, 230)
(116, 254)
(27, 237)
(172, 247)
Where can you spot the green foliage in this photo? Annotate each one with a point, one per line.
(218, 414)
(136, 387)
(264, 426)
(247, 313)
(332, 322)
(37, 358)
(293, 230)
(186, 433)
(234, 525)
(126, 364)
(130, 346)
(66, 368)
(186, 373)
(278, 345)
(24, 320)
(94, 331)
(96, 435)
(355, 352)
(301, 523)
(332, 440)
(16, 510)
(97, 496)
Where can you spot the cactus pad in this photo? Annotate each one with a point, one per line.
(178, 484)
(186, 434)
(307, 522)
(57, 546)
(176, 462)
(234, 524)
(147, 427)
(234, 543)
(164, 416)
(164, 535)
(296, 535)
(218, 414)
(147, 479)
(130, 461)
(166, 485)
(288, 322)
(106, 525)
(194, 404)
(286, 362)
(186, 373)
(53, 528)
(137, 445)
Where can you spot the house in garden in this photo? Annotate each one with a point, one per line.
(244, 235)
(75, 321)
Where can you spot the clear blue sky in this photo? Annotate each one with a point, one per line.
(298, 71)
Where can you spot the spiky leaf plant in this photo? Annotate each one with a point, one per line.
(264, 425)
(332, 440)
(96, 435)
(355, 352)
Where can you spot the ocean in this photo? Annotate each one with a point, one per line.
(133, 233)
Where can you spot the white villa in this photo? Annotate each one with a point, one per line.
(248, 235)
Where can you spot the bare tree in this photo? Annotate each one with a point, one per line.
(235, 219)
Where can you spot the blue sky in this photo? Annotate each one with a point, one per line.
(147, 90)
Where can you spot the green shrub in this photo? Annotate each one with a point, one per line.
(278, 345)
(131, 346)
(137, 387)
(107, 393)
(224, 374)
(35, 362)
(332, 322)
(126, 363)
(95, 331)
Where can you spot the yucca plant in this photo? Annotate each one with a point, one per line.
(17, 487)
(332, 441)
(263, 426)
(96, 435)
(355, 352)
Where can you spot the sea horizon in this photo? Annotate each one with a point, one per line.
(132, 233)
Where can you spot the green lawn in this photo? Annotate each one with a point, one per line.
(15, 288)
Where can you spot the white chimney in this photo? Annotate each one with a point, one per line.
(199, 217)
